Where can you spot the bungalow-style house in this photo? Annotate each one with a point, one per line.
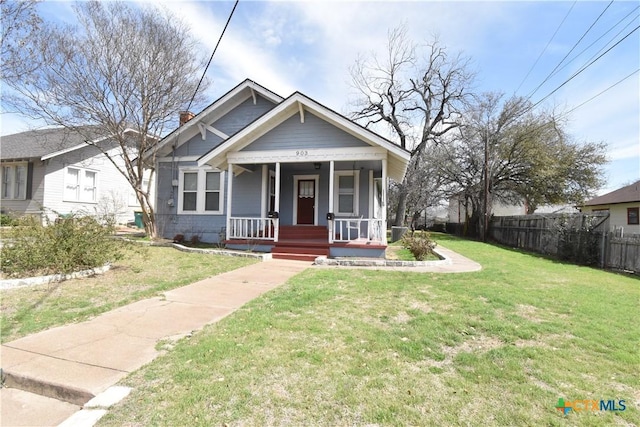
(623, 207)
(51, 172)
(289, 176)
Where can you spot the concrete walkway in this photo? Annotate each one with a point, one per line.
(53, 373)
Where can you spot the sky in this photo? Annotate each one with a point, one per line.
(514, 46)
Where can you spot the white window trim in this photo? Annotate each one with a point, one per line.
(12, 190)
(82, 173)
(200, 191)
(356, 193)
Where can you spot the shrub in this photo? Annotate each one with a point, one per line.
(419, 244)
(195, 239)
(7, 220)
(66, 245)
(178, 238)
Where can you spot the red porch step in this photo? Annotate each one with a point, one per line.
(304, 243)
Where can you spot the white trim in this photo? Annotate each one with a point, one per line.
(285, 110)
(66, 150)
(264, 190)
(371, 193)
(204, 128)
(177, 159)
(200, 191)
(213, 112)
(307, 155)
(80, 184)
(14, 166)
(301, 111)
(229, 199)
(297, 178)
(356, 193)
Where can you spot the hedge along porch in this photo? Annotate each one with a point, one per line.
(299, 180)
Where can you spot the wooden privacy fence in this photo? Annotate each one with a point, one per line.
(580, 237)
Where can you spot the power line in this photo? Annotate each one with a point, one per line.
(545, 48)
(213, 53)
(599, 93)
(571, 50)
(599, 38)
(585, 67)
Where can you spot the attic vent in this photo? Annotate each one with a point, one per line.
(185, 116)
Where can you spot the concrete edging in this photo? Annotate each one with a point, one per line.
(375, 262)
(44, 280)
(223, 252)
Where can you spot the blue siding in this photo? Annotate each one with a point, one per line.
(242, 115)
(247, 198)
(196, 146)
(313, 133)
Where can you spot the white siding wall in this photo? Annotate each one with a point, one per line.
(113, 190)
(618, 216)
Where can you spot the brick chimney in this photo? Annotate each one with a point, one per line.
(185, 116)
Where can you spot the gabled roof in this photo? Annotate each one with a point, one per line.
(213, 112)
(43, 143)
(630, 193)
(398, 158)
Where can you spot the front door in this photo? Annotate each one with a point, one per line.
(306, 201)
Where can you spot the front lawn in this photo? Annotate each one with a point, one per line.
(144, 272)
(362, 347)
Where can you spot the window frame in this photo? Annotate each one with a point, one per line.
(81, 185)
(201, 191)
(635, 210)
(13, 167)
(356, 193)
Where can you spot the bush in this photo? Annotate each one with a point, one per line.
(7, 220)
(67, 245)
(419, 244)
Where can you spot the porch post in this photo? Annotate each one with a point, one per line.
(384, 200)
(229, 197)
(277, 203)
(330, 222)
(263, 195)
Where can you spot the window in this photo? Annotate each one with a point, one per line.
(14, 181)
(200, 191)
(80, 185)
(346, 192)
(633, 216)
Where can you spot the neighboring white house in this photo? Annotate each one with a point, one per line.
(282, 175)
(623, 207)
(55, 172)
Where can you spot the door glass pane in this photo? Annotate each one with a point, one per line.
(305, 189)
(190, 181)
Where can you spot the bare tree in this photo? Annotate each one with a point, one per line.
(19, 22)
(126, 71)
(417, 91)
(504, 151)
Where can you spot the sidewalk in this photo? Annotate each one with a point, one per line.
(72, 364)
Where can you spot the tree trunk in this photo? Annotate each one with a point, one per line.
(401, 209)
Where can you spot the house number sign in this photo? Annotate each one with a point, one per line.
(302, 153)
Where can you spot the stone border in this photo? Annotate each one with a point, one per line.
(376, 262)
(44, 280)
(223, 252)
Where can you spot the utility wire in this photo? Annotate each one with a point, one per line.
(599, 38)
(569, 53)
(213, 53)
(599, 93)
(585, 67)
(545, 48)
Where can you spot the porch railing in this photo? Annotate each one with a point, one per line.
(369, 229)
(253, 228)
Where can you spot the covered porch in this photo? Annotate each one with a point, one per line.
(308, 201)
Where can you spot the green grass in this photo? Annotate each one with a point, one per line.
(141, 274)
(360, 347)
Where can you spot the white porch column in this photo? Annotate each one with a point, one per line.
(229, 197)
(384, 200)
(277, 202)
(263, 195)
(331, 173)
